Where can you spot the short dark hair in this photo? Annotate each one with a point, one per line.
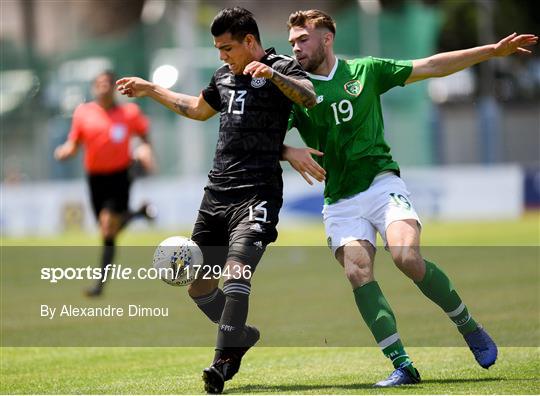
(108, 73)
(317, 18)
(237, 21)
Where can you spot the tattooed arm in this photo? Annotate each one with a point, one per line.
(300, 91)
(188, 106)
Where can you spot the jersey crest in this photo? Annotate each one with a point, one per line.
(258, 82)
(353, 87)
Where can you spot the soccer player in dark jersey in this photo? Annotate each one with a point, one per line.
(104, 128)
(363, 191)
(253, 92)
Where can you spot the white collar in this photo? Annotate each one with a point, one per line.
(326, 78)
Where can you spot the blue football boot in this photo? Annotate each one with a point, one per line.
(482, 347)
(403, 375)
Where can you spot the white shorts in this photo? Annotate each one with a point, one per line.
(361, 216)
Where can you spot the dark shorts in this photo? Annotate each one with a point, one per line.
(236, 226)
(109, 191)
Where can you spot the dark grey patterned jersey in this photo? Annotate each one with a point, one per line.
(252, 126)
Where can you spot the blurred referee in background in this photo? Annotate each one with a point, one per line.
(105, 129)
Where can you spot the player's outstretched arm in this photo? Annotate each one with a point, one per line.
(302, 161)
(446, 63)
(299, 91)
(66, 150)
(188, 106)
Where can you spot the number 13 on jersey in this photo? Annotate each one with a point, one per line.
(239, 99)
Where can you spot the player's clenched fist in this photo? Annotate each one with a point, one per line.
(258, 70)
(134, 87)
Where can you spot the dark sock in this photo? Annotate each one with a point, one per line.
(128, 216)
(233, 319)
(132, 214)
(107, 256)
(211, 304)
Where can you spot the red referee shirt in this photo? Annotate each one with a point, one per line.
(105, 135)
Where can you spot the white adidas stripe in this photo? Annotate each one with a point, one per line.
(239, 291)
(238, 288)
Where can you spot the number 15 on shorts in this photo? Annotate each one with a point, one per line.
(258, 213)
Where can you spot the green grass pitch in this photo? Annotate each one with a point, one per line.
(316, 345)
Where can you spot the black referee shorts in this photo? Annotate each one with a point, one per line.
(236, 226)
(109, 191)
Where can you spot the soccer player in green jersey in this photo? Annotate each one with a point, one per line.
(363, 192)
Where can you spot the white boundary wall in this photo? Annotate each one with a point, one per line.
(443, 193)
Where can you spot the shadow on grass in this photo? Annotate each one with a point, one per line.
(255, 388)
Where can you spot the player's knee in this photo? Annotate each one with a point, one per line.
(405, 256)
(359, 270)
(109, 224)
(409, 261)
(242, 259)
(358, 277)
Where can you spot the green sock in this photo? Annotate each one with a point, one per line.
(380, 319)
(437, 287)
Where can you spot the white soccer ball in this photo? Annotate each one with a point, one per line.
(177, 260)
